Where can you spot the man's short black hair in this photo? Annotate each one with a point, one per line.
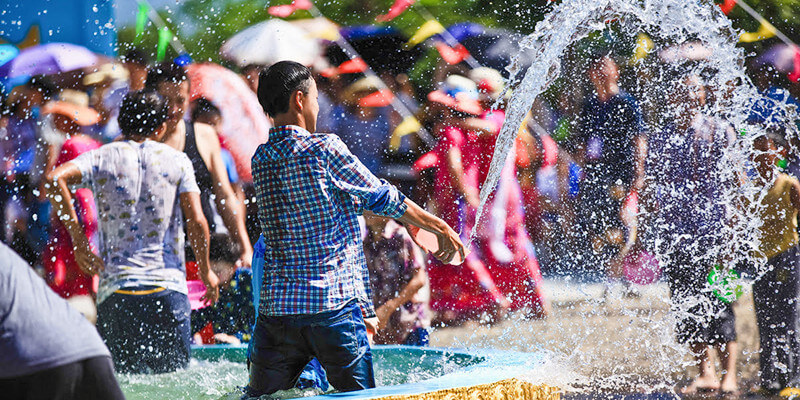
(203, 107)
(277, 84)
(165, 72)
(142, 113)
(136, 56)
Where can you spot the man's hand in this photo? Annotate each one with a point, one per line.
(372, 324)
(211, 281)
(88, 262)
(450, 245)
(226, 339)
(383, 313)
(246, 259)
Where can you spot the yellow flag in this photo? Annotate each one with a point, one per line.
(643, 47)
(765, 31)
(407, 127)
(428, 29)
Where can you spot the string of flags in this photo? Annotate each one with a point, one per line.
(395, 10)
(285, 10)
(165, 36)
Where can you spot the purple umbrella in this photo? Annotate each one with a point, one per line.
(50, 58)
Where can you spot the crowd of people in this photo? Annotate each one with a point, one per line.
(104, 176)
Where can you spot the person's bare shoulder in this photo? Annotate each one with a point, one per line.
(207, 135)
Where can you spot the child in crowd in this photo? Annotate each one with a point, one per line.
(399, 283)
(233, 316)
(775, 292)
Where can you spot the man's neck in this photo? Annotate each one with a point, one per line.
(289, 119)
(175, 136)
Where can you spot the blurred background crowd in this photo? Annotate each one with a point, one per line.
(422, 111)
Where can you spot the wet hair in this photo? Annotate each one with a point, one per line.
(202, 107)
(44, 85)
(222, 249)
(165, 72)
(142, 113)
(136, 56)
(277, 84)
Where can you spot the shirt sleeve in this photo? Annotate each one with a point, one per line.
(86, 163)
(188, 183)
(349, 175)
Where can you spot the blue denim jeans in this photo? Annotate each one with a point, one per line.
(283, 345)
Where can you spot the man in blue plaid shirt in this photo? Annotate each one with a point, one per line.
(315, 293)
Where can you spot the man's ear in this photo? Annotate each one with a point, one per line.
(297, 100)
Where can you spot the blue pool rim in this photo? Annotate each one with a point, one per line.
(485, 367)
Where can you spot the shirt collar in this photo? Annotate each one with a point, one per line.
(283, 131)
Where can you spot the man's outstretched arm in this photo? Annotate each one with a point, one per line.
(449, 241)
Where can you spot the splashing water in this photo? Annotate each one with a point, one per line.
(735, 239)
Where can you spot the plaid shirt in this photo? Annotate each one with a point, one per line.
(310, 190)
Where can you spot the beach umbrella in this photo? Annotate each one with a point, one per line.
(269, 42)
(7, 52)
(495, 48)
(50, 58)
(244, 124)
(318, 28)
(381, 47)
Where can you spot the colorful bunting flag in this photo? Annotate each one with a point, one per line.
(452, 55)
(794, 76)
(727, 5)
(408, 126)
(141, 19)
(644, 45)
(353, 66)
(428, 29)
(765, 31)
(285, 10)
(397, 8)
(164, 37)
(381, 98)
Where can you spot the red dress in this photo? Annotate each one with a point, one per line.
(468, 288)
(516, 273)
(62, 272)
(514, 279)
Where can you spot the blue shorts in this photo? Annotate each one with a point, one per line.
(146, 333)
(283, 345)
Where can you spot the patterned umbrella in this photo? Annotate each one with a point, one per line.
(244, 125)
(50, 58)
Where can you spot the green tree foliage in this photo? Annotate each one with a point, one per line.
(202, 25)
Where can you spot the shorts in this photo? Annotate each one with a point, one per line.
(146, 333)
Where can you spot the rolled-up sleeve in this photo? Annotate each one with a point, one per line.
(351, 176)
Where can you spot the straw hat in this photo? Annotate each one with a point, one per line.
(110, 71)
(489, 81)
(459, 93)
(75, 105)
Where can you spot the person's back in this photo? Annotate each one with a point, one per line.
(45, 340)
(137, 187)
(142, 302)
